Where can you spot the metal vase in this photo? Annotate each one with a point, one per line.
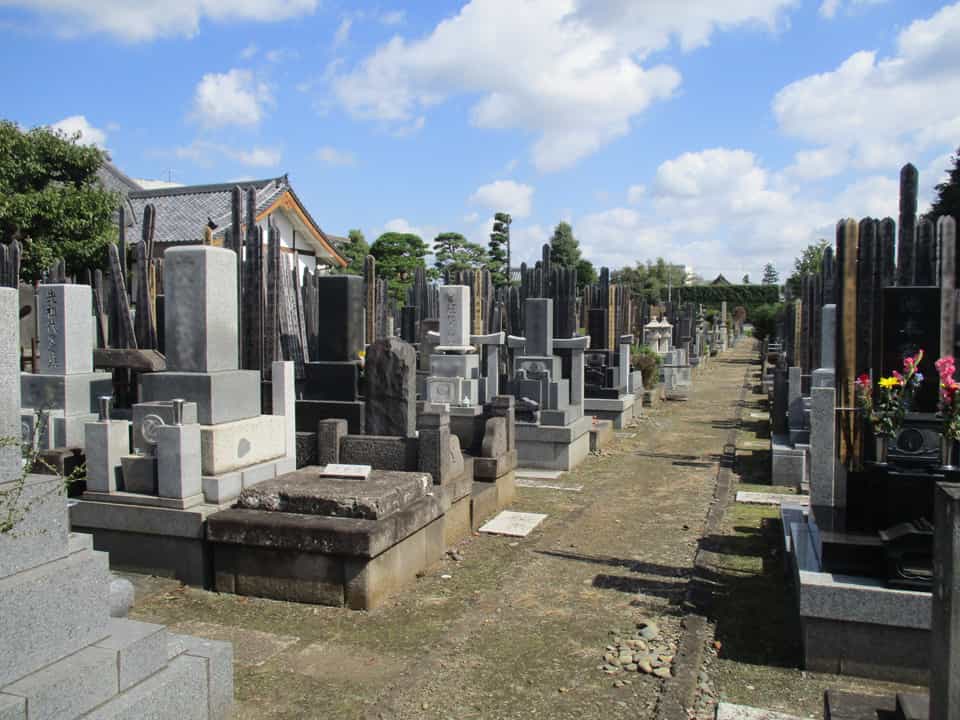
(880, 446)
(946, 451)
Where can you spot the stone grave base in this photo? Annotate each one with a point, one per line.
(854, 625)
(549, 447)
(325, 560)
(490, 468)
(455, 503)
(620, 411)
(651, 398)
(788, 463)
(489, 498)
(468, 424)
(166, 542)
(239, 444)
(601, 434)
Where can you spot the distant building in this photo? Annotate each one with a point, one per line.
(184, 211)
(720, 280)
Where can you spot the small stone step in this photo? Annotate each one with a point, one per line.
(69, 687)
(62, 606)
(141, 649)
(218, 656)
(178, 692)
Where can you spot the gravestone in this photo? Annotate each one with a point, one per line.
(66, 385)
(391, 406)
(912, 323)
(945, 610)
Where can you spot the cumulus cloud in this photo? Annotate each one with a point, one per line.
(334, 157)
(871, 111)
(89, 135)
(235, 97)
(505, 196)
(721, 210)
(144, 20)
(569, 71)
(207, 153)
(830, 8)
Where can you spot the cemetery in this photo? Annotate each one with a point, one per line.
(234, 483)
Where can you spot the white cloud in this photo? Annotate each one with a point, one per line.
(567, 70)
(144, 20)
(392, 17)
(829, 8)
(505, 196)
(636, 193)
(207, 153)
(232, 98)
(342, 34)
(875, 113)
(471, 217)
(278, 55)
(334, 157)
(401, 225)
(249, 51)
(89, 135)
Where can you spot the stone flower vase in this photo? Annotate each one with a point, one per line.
(880, 447)
(946, 452)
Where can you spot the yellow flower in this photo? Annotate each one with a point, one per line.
(889, 382)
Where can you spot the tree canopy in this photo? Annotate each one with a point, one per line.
(452, 253)
(52, 201)
(809, 262)
(650, 281)
(565, 252)
(770, 275)
(398, 255)
(947, 201)
(354, 252)
(497, 249)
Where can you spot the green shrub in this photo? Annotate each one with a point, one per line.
(764, 319)
(645, 360)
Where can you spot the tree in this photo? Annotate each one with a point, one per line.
(52, 201)
(498, 249)
(354, 252)
(454, 253)
(651, 281)
(809, 262)
(398, 255)
(770, 275)
(947, 201)
(564, 247)
(586, 273)
(746, 279)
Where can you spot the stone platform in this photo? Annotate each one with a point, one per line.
(854, 625)
(619, 410)
(788, 462)
(553, 447)
(329, 541)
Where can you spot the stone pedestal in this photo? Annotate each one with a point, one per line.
(328, 541)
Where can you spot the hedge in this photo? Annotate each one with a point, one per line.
(746, 295)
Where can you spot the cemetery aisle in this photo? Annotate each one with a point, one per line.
(505, 627)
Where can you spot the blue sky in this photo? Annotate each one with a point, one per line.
(721, 135)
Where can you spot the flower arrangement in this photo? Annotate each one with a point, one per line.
(948, 405)
(887, 413)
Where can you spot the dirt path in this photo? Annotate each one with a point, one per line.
(516, 628)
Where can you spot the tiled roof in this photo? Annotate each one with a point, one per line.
(184, 212)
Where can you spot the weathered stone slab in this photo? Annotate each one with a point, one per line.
(514, 524)
(382, 494)
(391, 372)
(235, 445)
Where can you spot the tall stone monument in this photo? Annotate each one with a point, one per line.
(66, 388)
(64, 656)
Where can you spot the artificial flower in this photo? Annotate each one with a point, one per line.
(891, 382)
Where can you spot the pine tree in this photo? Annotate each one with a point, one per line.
(452, 253)
(498, 249)
(947, 201)
(354, 253)
(770, 275)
